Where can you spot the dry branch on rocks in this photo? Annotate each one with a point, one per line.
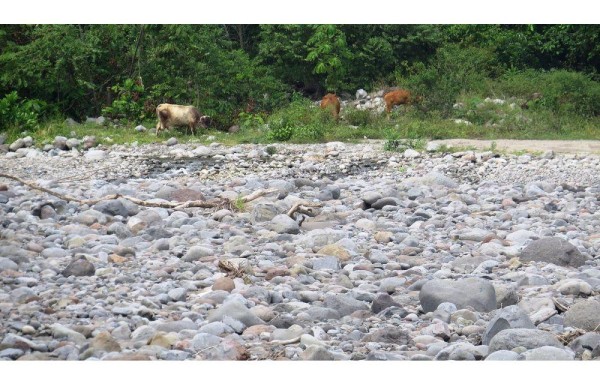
(214, 203)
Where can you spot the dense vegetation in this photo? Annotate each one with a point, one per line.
(250, 75)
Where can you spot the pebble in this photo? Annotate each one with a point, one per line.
(459, 257)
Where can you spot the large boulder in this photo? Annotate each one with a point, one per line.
(553, 250)
(471, 292)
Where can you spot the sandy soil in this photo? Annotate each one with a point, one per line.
(558, 146)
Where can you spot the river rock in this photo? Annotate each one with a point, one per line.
(506, 318)
(553, 250)
(508, 339)
(584, 314)
(471, 292)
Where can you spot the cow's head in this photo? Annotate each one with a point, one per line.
(205, 121)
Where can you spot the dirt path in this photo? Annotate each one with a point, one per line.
(558, 146)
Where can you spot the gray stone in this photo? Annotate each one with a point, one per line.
(79, 267)
(436, 178)
(100, 345)
(8, 264)
(584, 314)
(172, 141)
(197, 252)
(326, 262)
(549, 353)
(315, 352)
(508, 339)
(471, 292)
(287, 334)
(504, 356)
(178, 294)
(216, 328)
(119, 229)
(370, 197)
(174, 326)
(264, 212)
(283, 186)
(95, 155)
(344, 304)
(17, 144)
(284, 224)
(62, 332)
(553, 250)
(23, 295)
(506, 295)
(361, 94)
(112, 208)
(506, 318)
(69, 122)
(385, 201)
(54, 252)
(72, 143)
(235, 310)
(17, 254)
(19, 342)
(588, 341)
(322, 313)
(205, 340)
(91, 216)
(60, 142)
(388, 334)
(11, 353)
(383, 301)
(90, 141)
(143, 220)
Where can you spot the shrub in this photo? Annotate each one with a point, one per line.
(561, 91)
(301, 121)
(129, 104)
(452, 70)
(250, 120)
(25, 114)
(358, 117)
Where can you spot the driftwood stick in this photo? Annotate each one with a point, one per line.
(303, 207)
(165, 204)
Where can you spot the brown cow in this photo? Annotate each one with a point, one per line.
(172, 115)
(332, 102)
(398, 97)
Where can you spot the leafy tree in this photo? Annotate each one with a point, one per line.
(328, 50)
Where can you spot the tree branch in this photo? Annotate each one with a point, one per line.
(214, 203)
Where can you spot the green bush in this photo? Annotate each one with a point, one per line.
(129, 104)
(358, 117)
(452, 70)
(301, 121)
(24, 114)
(561, 91)
(250, 120)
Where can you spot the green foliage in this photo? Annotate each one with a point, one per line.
(129, 103)
(22, 114)
(453, 70)
(400, 145)
(301, 121)
(271, 150)
(239, 205)
(250, 120)
(77, 70)
(562, 92)
(359, 117)
(328, 50)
